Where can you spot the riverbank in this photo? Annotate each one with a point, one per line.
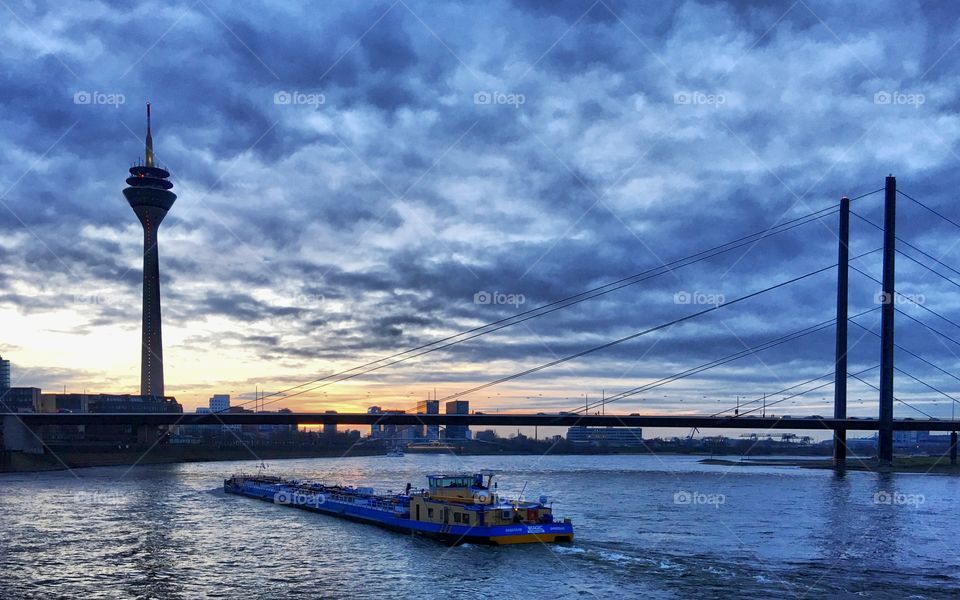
(906, 464)
(19, 462)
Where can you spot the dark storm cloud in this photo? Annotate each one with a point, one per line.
(243, 307)
(366, 222)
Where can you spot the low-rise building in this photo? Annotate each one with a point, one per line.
(20, 399)
(623, 437)
(219, 402)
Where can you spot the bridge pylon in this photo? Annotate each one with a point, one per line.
(887, 312)
(840, 366)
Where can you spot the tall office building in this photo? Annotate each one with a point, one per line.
(458, 432)
(376, 429)
(4, 374)
(330, 429)
(429, 407)
(150, 197)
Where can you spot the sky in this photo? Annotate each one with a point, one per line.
(357, 179)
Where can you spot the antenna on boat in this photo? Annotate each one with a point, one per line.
(523, 490)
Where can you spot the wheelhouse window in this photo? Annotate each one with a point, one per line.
(451, 482)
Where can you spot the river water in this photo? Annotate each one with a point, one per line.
(646, 526)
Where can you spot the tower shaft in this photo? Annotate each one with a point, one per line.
(151, 351)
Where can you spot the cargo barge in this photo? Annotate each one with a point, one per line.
(456, 509)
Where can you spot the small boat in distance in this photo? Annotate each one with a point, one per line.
(398, 451)
(433, 447)
(455, 509)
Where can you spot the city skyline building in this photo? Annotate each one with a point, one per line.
(219, 402)
(429, 407)
(4, 374)
(330, 429)
(150, 198)
(458, 432)
(376, 429)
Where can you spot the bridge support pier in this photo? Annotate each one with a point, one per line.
(885, 449)
(840, 364)
(953, 447)
(19, 437)
(147, 434)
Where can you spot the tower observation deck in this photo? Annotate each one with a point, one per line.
(150, 197)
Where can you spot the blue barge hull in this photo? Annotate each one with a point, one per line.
(390, 512)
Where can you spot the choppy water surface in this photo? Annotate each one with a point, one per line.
(653, 527)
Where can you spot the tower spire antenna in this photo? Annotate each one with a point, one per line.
(149, 154)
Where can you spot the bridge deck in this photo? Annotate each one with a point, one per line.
(514, 419)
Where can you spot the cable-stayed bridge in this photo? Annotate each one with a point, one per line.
(743, 415)
(505, 419)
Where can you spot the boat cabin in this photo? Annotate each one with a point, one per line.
(471, 499)
(461, 488)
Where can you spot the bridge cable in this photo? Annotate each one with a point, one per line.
(704, 367)
(909, 299)
(348, 373)
(720, 361)
(912, 247)
(832, 373)
(924, 383)
(580, 297)
(934, 211)
(927, 267)
(913, 354)
(895, 398)
(784, 399)
(641, 333)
